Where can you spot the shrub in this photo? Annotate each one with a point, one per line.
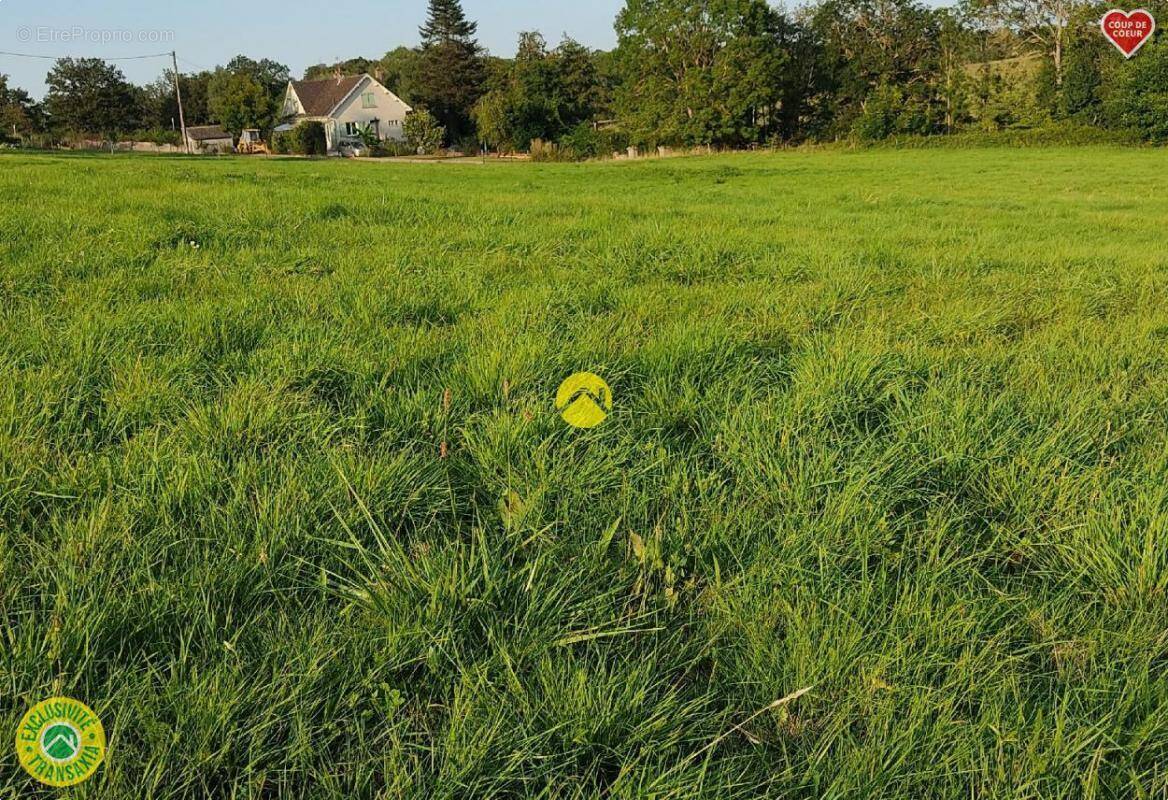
(1137, 99)
(283, 142)
(37, 141)
(890, 110)
(394, 147)
(878, 119)
(467, 145)
(157, 136)
(492, 121)
(310, 139)
(1066, 133)
(368, 138)
(1009, 93)
(550, 151)
(306, 139)
(423, 133)
(588, 142)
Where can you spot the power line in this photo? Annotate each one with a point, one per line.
(173, 59)
(197, 66)
(186, 61)
(59, 58)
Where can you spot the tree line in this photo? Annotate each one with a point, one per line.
(91, 97)
(726, 73)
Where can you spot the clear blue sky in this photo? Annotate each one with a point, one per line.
(294, 32)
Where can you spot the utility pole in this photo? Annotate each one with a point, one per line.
(178, 96)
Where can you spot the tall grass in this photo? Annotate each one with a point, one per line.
(284, 495)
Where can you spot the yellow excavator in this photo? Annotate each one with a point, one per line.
(250, 143)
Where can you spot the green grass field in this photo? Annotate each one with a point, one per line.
(285, 498)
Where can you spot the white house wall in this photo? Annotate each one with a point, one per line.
(292, 106)
(389, 109)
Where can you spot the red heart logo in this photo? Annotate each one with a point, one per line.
(1128, 30)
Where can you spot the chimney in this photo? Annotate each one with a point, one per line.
(337, 73)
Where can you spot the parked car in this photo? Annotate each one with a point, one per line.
(353, 148)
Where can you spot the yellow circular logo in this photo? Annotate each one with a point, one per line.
(584, 400)
(60, 742)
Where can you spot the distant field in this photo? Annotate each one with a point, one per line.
(890, 427)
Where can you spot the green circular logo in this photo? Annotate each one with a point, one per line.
(60, 742)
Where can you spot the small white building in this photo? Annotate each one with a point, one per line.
(209, 139)
(345, 106)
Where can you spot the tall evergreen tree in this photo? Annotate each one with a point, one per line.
(453, 71)
(445, 19)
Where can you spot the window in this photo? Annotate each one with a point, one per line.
(368, 100)
(352, 129)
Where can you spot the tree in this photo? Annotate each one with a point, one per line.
(452, 70)
(160, 107)
(238, 101)
(195, 96)
(1080, 95)
(952, 80)
(398, 70)
(247, 93)
(401, 72)
(541, 94)
(578, 92)
(422, 131)
(804, 108)
(699, 71)
(1041, 25)
(350, 66)
(272, 75)
(890, 52)
(19, 113)
(607, 71)
(1137, 95)
(156, 100)
(521, 106)
(493, 122)
(88, 95)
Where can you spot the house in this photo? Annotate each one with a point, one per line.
(209, 139)
(345, 106)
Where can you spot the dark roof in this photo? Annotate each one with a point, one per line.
(201, 132)
(321, 97)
